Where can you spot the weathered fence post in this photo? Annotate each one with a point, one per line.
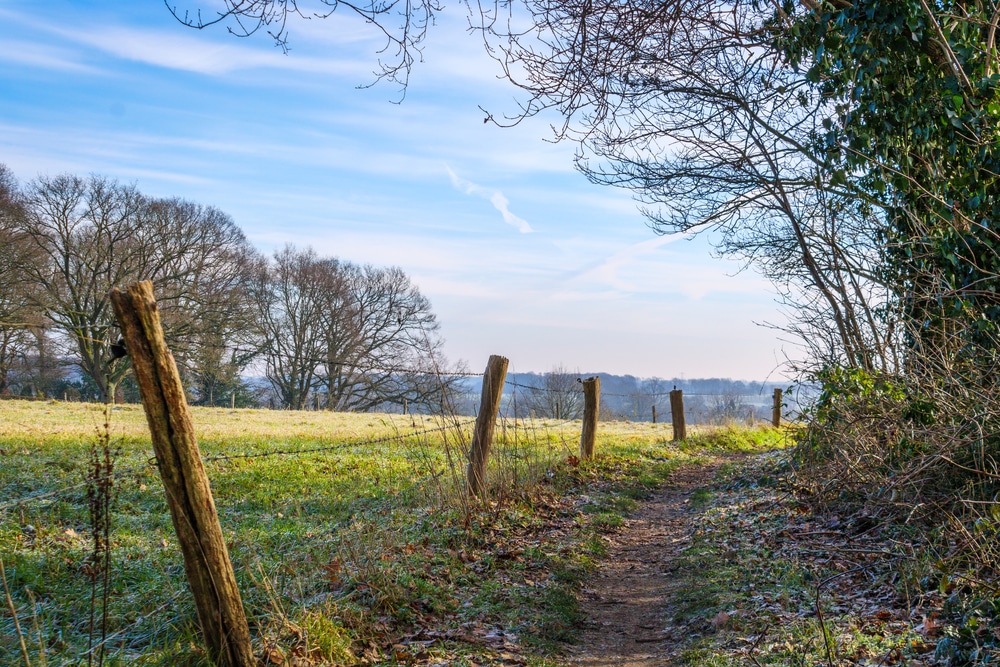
(654, 413)
(486, 421)
(591, 409)
(677, 414)
(192, 508)
(776, 408)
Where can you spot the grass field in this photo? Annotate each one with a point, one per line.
(349, 533)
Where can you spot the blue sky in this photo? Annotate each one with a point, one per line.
(519, 254)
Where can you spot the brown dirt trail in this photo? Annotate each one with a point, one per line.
(628, 601)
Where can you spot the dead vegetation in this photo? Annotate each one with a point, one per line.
(746, 570)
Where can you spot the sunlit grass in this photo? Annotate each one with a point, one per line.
(358, 531)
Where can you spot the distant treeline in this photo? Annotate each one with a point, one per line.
(558, 394)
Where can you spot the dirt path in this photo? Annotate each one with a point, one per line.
(627, 603)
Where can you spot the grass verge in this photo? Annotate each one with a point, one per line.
(768, 580)
(350, 536)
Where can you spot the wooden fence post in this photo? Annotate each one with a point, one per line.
(654, 413)
(486, 422)
(677, 414)
(192, 508)
(591, 409)
(776, 408)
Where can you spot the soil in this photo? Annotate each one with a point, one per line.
(628, 603)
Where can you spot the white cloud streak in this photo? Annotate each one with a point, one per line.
(195, 54)
(608, 270)
(495, 197)
(26, 54)
(286, 146)
(201, 53)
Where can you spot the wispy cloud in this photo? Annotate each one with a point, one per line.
(194, 53)
(607, 271)
(203, 53)
(27, 54)
(495, 197)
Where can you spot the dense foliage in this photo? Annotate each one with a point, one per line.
(912, 102)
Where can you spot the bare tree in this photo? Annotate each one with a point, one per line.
(18, 316)
(222, 346)
(288, 296)
(84, 232)
(381, 343)
(558, 396)
(402, 25)
(691, 106)
(728, 408)
(694, 107)
(362, 337)
(87, 235)
(206, 292)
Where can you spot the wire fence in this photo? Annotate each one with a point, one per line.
(712, 413)
(399, 437)
(285, 507)
(641, 404)
(700, 407)
(295, 509)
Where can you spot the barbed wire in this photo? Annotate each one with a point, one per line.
(403, 370)
(338, 446)
(552, 390)
(353, 367)
(532, 422)
(63, 490)
(635, 394)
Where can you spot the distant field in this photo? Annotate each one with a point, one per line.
(309, 531)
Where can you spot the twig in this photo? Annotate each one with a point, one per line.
(822, 625)
(13, 612)
(756, 643)
(37, 627)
